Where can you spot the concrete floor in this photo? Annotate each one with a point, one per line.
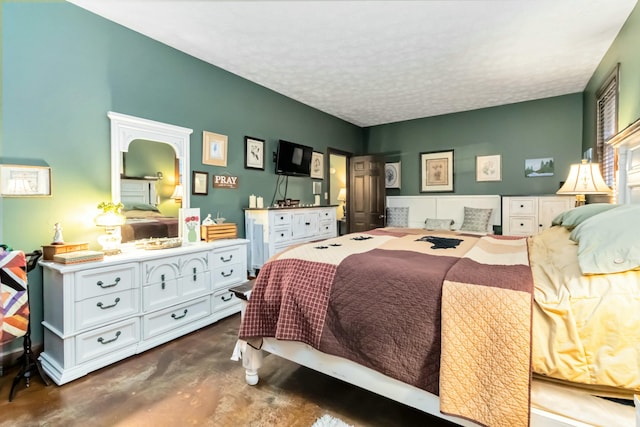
(192, 382)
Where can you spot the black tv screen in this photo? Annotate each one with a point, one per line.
(293, 159)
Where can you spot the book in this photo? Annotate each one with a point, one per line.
(78, 256)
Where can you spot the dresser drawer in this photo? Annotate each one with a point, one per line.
(105, 308)
(282, 235)
(160, 271)
(166, 320)
(281, 219)
(102, 341)
(327, 215)
(228, 275)
(522, 206)
(523, 226)
(224, 300)
(101, 281)
(226, 256)
(158, 295)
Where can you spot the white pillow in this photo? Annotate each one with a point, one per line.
(398, 217)
(438, 224)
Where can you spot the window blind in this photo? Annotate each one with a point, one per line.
(607, 127)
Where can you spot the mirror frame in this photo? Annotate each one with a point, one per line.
(126, 129)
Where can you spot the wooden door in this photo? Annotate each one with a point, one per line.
(366, 200)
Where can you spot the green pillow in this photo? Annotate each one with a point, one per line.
(574, 217)
(609, 242)
(130, 206)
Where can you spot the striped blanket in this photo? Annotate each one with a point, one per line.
(388, 300)
(14, 316)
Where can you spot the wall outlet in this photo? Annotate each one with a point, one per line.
(326, 195)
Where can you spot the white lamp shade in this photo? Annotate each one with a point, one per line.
(342, 194)
(177, 192)
(584, 178)
(110, 219)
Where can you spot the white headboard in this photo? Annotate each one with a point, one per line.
(445, 207)
(627, 142)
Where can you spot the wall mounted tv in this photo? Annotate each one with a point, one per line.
(293, 159)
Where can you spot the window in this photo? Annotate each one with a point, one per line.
(607, 126)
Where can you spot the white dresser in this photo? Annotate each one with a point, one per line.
(272, 230)
(97, 313)
(529, 215)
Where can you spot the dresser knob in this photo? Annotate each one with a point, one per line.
(522, 206)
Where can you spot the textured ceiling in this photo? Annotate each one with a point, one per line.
(375, 62)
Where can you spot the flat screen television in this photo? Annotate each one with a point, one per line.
(293, 159)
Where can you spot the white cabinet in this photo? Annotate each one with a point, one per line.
(529, 215)
(97, 313)
(272, 230)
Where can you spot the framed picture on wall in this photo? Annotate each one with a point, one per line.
(317, 165)
(253, 153)
(489, 168)
(199, 183)
(25, 181)
(436, 171)
(392, 175)
(214, 149)
(538, 167)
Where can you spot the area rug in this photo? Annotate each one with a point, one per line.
(329, 421)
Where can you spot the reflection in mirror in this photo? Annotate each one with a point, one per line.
(155, 166)
(143, 151)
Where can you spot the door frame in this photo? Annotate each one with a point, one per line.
(347, 154)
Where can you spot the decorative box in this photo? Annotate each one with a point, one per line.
(78, 256)
(209, 233)
(49, 251)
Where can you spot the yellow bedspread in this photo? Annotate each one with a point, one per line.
(586, 329)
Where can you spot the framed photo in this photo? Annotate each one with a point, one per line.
(489, 168)
(214, 149)
(253, 153)
(199, 183)
(538, 167)
(317, 165)
(189, 224)
(392, 175)
(25, 181)
(436, 171)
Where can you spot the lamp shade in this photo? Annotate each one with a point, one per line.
(109, 219)
(177, 192)
(584, 178)
(342, 194)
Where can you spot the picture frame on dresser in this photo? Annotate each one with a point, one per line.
(436, 171)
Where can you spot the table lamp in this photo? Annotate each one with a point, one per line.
(111, 219)
(342, 197)
(584, 178)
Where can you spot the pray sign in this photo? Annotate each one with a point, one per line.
(225, 181)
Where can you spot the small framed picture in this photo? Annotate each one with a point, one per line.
(189, 231)
(253, 153)
(214, 149)
(199, 183)
(534, 168)
(392, 175)
(317, 165)
(25, 181)
(436, 171)
(489, 168)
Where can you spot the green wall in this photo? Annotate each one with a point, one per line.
(64, 68)
(623, 51)
(549, 127)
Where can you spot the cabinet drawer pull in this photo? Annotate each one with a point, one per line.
(226, 299)
(102, 341)
(103, 286)
(104, 307)
(522, 206)
(163, 285)
(195, 276)
(184, 313)
(521, 225)
(226, 275)
(226, 260)
(307, 223)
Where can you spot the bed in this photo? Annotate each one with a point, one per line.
(501, 331)
(144, 219)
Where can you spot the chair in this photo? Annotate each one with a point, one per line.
(16, 323)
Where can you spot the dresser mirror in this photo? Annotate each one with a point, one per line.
(127, 129)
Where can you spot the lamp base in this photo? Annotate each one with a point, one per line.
(580, 200)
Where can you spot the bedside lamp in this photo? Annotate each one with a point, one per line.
(177, 193)
(584, 178)
(342, 197)
(111, 219)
